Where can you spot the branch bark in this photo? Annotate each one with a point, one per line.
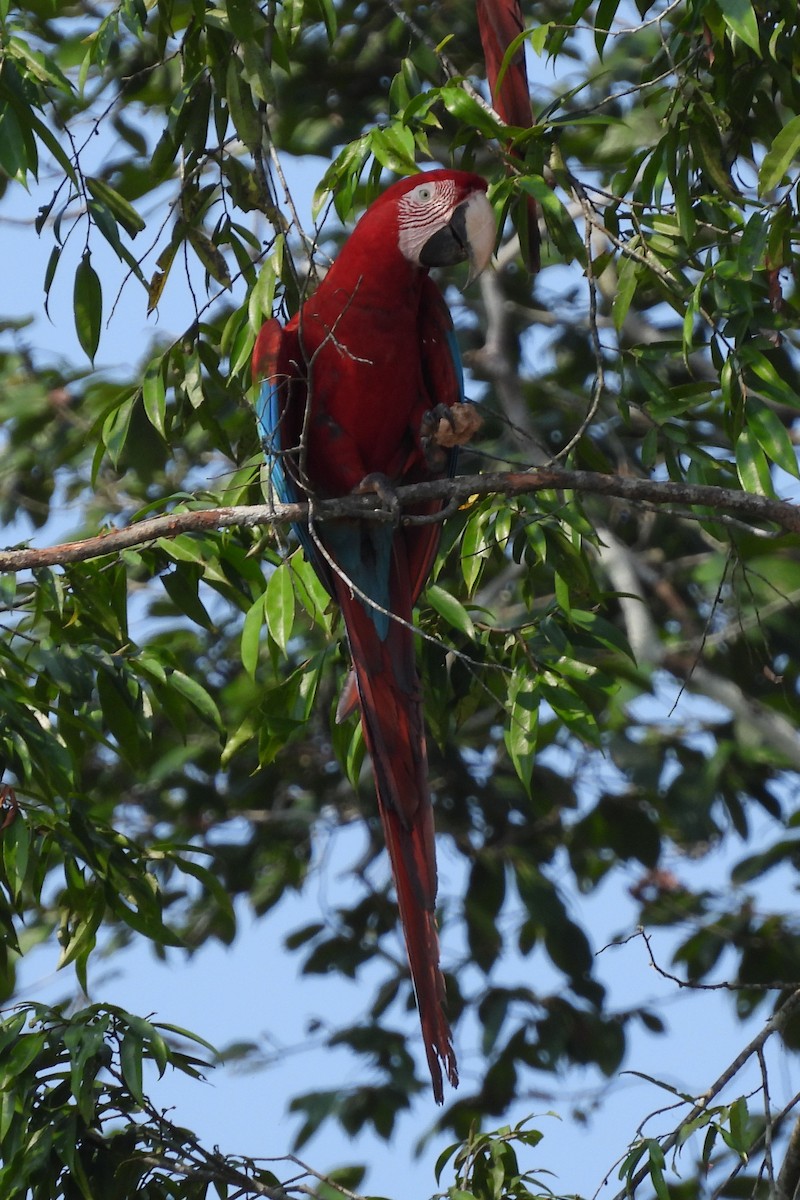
(776, 1024)
(752, 508)
(788, 1182)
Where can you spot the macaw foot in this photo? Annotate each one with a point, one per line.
(446, 426)
(381, 486)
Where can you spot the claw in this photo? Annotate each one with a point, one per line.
(381, 486)
(444, 427)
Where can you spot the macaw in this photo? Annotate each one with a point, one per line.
(362, 391)
(499, 22)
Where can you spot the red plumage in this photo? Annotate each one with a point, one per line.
(499, 23)
(349, 384)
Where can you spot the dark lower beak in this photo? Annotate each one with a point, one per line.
(448, 245)
(469, 235)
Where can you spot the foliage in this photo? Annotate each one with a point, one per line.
(156, 702)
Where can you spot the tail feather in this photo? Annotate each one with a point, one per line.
(422, 946)
(392, 720)
(499, 23)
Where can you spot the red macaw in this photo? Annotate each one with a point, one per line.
(361, 391)
(499, 22)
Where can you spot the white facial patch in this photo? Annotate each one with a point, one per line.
(422, 212)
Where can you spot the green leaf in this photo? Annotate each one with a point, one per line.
(327, 11)
(604, 19)
(13, 148)
(189, 1035)
(753, 246)
(739, 1121)
(467, 109)
(240, 101)
(116, 427)
(709, 153)
(538, 37)
(451, 609)
(684, 206)
(473, 549)
(131, 1053)
(35, 63)
(15, 843)
(603, 630)
(193, 379)
(770, 383)
(740, 18)
(781, 155)
(161, 274)
(310, 591)
(209, 254)
(54, 146)
(259, 306)
(444, 1159)
(342, 176)
(122, 209)
(394, 149)
(523, 722)
(182, 587)
(657, 1172)
(625, 291)
(88, 305)
(197, 696)
(752, 466)
(154, 395)
(773, 437)
(50, 274)
(120, 712)
(251, 636)
(279, 605)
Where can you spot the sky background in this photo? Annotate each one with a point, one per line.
(252, 991)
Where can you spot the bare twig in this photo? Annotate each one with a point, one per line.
(599, 378)
(723, 985)
(775, 1024)
(788, 1182)
(768, 1164)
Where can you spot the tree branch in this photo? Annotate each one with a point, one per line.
(753, 508)
(788, 1182)
(775, 1024)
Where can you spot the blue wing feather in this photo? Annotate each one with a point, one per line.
(269, 416)
(362, 550)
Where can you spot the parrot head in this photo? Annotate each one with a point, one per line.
(434, 219)
(444, 218)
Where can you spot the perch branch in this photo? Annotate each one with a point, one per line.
(462, 489)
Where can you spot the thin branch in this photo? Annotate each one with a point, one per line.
(693, 985)
(599, 384)
(461, 489)
(777, 1123)
(775, 1024)
(788, 1182)
(768, 1163)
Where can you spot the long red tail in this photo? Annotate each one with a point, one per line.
(499, 22)
(392, 720)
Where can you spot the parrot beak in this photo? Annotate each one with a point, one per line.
(469, 235)
(481, 233)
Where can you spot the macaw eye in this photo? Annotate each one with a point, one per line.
(423, 194)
